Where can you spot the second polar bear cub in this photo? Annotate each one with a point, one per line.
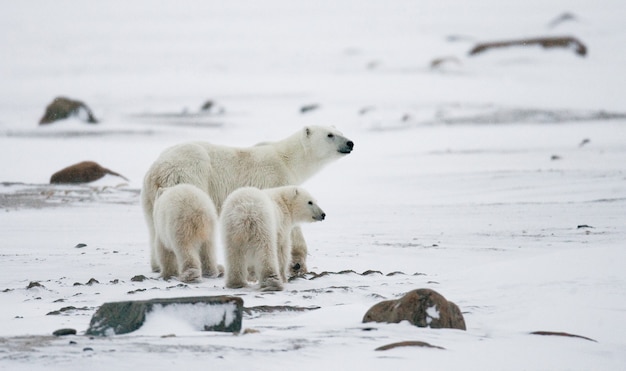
(185, 221)
(256, 229)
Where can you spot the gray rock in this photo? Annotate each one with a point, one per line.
(127, 316)
(421, 307)
(64, 332)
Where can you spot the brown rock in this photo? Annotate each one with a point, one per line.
(400, 344)
(82, 172)
(62, 108)
(546, 42)
(421, 307)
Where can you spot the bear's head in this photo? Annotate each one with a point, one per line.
(304, 208)
(324, 142)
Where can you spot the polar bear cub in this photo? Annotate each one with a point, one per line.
(185, 221)
(256, 230)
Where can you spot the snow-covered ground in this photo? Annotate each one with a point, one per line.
(498, 180)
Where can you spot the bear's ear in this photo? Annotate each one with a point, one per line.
(307, 131)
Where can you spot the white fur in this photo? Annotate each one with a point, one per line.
(219, 170)
(185, 221)
(256, 229)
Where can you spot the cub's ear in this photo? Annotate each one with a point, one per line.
(307, 131)
(296, 191)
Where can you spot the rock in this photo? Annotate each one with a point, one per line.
(219, 313)
(421, 307)
(546, 42)
(565, 17)
(565, 334)
(64, 332)
(421, 344)
(34, 284)
(309, 107)
(139, 278)
(82, 172)
(62, 108)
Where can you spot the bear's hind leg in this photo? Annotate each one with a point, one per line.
(268, 272)
(166, 260)
(236, 266)
(154, 258)
(208, 257)
(189, 263)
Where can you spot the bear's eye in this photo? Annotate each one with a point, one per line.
(310, 202)
(331, 135)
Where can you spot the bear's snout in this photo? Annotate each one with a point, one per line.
(320, 217)
(347, 147)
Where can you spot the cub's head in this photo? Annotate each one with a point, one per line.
(324, 142)
(304, 208)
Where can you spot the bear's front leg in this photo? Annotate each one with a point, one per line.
(299, 250)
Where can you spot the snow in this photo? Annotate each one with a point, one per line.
(177, 318)
(471, 179)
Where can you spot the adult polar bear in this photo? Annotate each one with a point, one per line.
(219, 170)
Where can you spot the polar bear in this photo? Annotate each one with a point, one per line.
(219, 170)
(185, 222)
(256, 231)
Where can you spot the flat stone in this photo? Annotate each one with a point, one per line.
(127, 316)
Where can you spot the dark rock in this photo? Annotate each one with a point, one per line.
(277, 308)
(64, 332)
(438, 63)
(207, 105)
(139, 278)
(421, 307)
(565, 17)
(552, 333)
(409, 344)
(92, 281)
(546, 42)
(371, 271)
(62, 108)
(580, 226)
(82, 172)
(127, 316)
(65, 309)
(309, 107)
(34, 284)
(80, 245)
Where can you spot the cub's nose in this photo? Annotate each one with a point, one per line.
(323, 216)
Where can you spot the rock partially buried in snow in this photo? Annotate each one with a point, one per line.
(62, 108)
(421, 307)
(211, 313)
(82, 172)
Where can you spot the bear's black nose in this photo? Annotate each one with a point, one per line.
(350, 144)
(323, 216)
